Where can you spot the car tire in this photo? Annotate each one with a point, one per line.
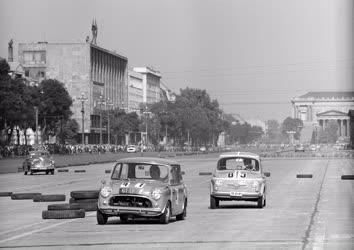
(52, 171)
(124, 218)
(49, 197)
(64, 206)
(25, 172)
(46, 172)
(31, 172)
(23, 196)
(5, 194)
(214, 202)
(261, 201)
(183, 215)
(63, 214)
(72, 200)
(166, 216)
(101, 218)
(85, 194)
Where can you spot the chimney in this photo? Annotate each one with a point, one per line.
(10, 52)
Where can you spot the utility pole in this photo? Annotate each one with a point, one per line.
(82, 99)
(101, 102)
(108, 103)
(36, 111)
(146, 123)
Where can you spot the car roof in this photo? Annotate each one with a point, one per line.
(149, 160)
(240, 154)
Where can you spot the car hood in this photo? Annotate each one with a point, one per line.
(143, 187)
(237, 174)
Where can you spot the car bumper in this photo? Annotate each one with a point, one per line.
(246, 196)
(41, 168)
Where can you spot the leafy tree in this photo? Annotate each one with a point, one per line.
(69, 131)
(291, 124)
(122, 123)
(330, 132)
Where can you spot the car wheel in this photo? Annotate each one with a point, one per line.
(52, 172)
(101, 218)
(214, 202)
(31, 172)
(46, 172)
(25, 172)
(261, 201)
(124, 218)
(166, 216)
(184, 213)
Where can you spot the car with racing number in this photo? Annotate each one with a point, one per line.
(238, 177)
(38, 161)
(143, 187)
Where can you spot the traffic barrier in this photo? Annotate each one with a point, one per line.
(49, 197)
(73, 200)
(5, 194)
(62, 170)
(107, 171)
(205, 173)
(347, 177)
(304, 176)
(85, 194)
(24, 196)
(87, 206)
(63, 214)
(80, 171)
(64, 206)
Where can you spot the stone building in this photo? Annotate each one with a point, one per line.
(135, 91)
(85, 69)
(351, 131)
(151, 84)
(318, 108)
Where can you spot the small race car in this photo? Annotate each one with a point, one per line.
(131, 149)
(143, 187)
(299, 148)
(238, 176)
(38, 161)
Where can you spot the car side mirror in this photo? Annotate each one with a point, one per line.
(266, 174)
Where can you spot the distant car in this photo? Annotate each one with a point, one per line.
(238, 176)
(131, 149)
(299, 148)
(38, 161)
(313, 147)
(143, 187)
(203, 149)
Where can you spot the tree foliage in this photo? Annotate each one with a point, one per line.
(330, 132)
(292, 124)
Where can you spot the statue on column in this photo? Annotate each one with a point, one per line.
(94, 30)
(10, 52)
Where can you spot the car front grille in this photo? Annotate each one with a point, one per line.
(130, 201)
(230, 186)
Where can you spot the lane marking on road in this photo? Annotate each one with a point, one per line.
(20, 228)
(40, 230)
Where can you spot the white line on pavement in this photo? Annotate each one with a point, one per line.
(23, 227)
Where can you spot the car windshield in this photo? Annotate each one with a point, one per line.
(238, 163)
(123, 171)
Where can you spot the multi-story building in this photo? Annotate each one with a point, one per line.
(135, 91)
(151, 84)
(85, 69)
(317, 108)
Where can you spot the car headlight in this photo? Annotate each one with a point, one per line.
(106, 191)
(156, 194)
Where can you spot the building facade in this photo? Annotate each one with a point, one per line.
(135, 91)
(318, 108)
(151, 84)
(86, 70)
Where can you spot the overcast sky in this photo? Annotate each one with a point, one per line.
(251, 55)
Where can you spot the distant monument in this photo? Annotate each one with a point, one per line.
(10, 52)
(94, 30)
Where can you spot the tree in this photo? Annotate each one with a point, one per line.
(330, 133)
(123, 123)
(69, 131)
(292, 124)
(273, 131)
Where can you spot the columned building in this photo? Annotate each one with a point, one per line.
(86, 70)
(318, 108)
(135, 91)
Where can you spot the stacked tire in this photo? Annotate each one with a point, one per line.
(85, 199)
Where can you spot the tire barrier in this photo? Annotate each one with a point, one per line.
(62, 170)
(49, 197)
(73, 200)
(64, 206)
(80, 171)
(267, 174)
(347, 177)
(107, 171)
(87, 206)
(5, 194)
(85, 194)
(24, 196)
(304, 176)
(205, 173)
(63, 214)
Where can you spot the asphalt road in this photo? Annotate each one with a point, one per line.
(315, 213)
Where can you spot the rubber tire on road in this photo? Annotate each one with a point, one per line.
(63, 214)
(347, 177)
(107, 171)
(124, 218)
(91, 206)
(49, 197)
(24, 196)
(5, 194)
(101, 218)
(205, 173)
(62, 170)
(52, 171)
(214, 202)
(166, 216)
(80, 171)
(261, 202)
(183, 215)
(85, 194)
(304, 176)
(64, 206)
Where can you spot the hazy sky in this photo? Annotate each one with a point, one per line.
(251, 55)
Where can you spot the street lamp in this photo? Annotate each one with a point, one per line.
(82, 99)
(36, 112)
(108, 103)
(100, 103)
(146, 122)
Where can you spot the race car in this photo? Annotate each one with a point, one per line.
(143, 187)
(38, 161)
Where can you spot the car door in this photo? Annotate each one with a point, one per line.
(177, 189)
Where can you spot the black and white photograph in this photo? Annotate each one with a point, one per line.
(177, 124)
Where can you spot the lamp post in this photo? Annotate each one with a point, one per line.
(36, 112)
(82, 99)
(146, 123)
(100, 103)
(108, 103)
